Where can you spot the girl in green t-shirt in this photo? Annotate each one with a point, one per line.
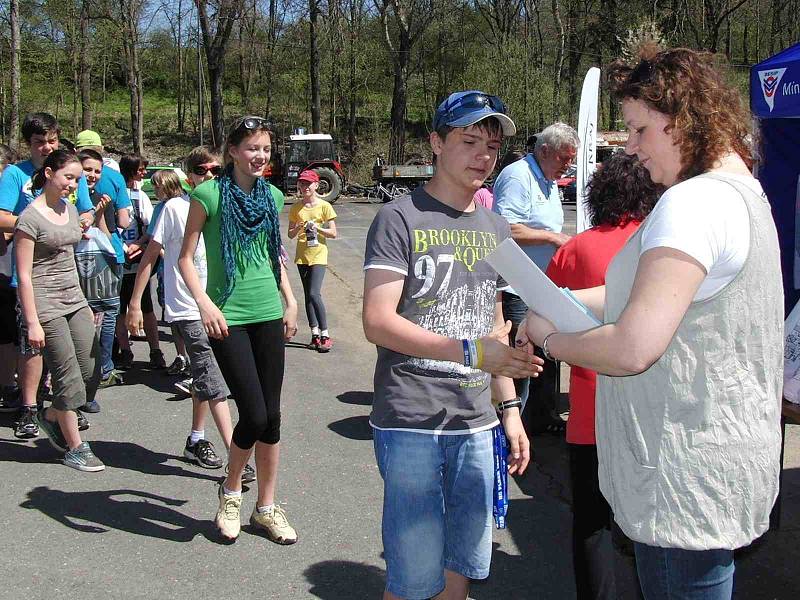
(242, 313)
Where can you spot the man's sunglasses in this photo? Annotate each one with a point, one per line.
(467, 104)
(201, 170)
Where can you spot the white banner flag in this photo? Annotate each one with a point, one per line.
(587, 133)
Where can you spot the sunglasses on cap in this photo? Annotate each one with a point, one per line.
(253, 123)
(467, 104)
(201, 170)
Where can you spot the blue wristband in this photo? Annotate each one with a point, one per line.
(467, 355)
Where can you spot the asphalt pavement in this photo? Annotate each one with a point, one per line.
(143, 528)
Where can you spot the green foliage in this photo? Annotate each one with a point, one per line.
(467, 45)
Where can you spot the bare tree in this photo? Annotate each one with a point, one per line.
(13, 135)
(85, 68)
(404, 22)
(126, 15)
(313, 48)
(558, 63)
(216, 22)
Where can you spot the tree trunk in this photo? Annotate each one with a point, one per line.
(85, 68)
(13, 131)
(181, 95)
(316, 104)
(558, 65)
(215, 74)
(215, 41)
(397, 127)
(351, 113)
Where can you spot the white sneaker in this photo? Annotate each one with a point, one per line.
(228, 521)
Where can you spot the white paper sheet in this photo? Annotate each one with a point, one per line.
(538, 291)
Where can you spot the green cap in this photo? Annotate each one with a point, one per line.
(87, 137)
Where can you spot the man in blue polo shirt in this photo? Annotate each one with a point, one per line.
(526, 194)
(40, 131)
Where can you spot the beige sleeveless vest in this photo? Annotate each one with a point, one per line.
(689, 450)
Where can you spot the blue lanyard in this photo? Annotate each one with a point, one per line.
(500, 496)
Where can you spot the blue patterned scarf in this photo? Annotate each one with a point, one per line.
(247, 220)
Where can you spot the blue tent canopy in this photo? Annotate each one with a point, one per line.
(775, 102)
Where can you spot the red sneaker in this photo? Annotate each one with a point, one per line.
(325, 344)
(314, 345)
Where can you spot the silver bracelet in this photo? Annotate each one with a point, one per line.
(545, 351)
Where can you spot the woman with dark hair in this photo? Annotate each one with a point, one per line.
(135, 238)
(241, 310)
(56, 317)
(620, 196)
(691, 350)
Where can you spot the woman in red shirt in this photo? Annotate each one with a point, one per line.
(620, 196)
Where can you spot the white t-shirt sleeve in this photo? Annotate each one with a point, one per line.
(146, 208)
(708, 220)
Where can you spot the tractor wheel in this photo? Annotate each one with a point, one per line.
(330, 185)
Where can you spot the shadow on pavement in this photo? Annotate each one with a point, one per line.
(155, 379)
(116, 455)
(101, 511)
(28, 451)
(353, 428)
(133, 457)
(336, 579)
(359, 398)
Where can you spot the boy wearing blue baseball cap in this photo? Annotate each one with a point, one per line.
(432, 308)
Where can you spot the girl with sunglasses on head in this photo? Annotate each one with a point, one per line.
(242, 313)
(57, 318)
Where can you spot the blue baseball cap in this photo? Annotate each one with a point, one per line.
(462, 109)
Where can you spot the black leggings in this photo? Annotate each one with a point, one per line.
(251, 359)
(311, 276)
(592, 548)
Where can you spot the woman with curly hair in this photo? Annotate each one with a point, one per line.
(620, 196)
(690, 352)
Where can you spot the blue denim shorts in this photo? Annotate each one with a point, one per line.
(437, 508)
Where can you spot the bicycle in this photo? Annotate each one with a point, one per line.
(379, 193)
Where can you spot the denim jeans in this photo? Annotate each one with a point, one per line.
(676, 574)
(437, 508)
(107, 330)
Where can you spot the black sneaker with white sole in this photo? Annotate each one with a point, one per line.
(248, 475)
(202, 453)
(26, 427)
(83, 422)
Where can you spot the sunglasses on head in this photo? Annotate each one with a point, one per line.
(467, 104)
(641, 73)
(253, 123)
(201, 170)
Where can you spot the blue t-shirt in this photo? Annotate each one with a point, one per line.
(16, 193)
(113, 184)
(523, 195)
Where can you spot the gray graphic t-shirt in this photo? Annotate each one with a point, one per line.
(449, 289)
